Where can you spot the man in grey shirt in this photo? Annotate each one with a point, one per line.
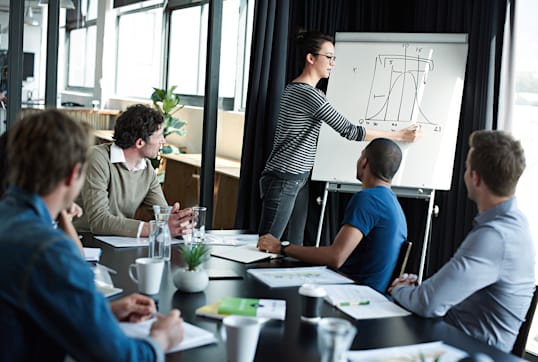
(120, 179)
(486, 288)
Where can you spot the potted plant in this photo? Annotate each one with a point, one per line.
(167, 102)
(192, 278)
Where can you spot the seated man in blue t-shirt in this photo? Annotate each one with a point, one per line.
(374, 225)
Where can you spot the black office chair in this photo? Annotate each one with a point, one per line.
(401, 263)
(521, 340)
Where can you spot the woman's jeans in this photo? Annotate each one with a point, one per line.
(284, 203)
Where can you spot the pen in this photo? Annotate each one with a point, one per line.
(348, 304)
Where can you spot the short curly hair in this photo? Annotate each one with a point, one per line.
(138, 121)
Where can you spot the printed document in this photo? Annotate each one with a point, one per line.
(291, 277)
(427, 352)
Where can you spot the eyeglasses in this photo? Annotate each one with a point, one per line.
(331, 58)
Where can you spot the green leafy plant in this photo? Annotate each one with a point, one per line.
(194, 255)
(167, 102)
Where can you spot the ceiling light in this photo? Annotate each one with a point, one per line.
(29, 17)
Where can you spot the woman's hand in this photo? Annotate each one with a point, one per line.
(410, 134)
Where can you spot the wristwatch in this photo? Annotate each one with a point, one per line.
(283, 246)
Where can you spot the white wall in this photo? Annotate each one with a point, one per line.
(229, 129)
(229, 132)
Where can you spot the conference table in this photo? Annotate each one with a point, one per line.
(288, 340)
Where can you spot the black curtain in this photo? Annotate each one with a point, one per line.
(482, 20)
(267, 79)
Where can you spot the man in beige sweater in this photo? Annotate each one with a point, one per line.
(120, 179)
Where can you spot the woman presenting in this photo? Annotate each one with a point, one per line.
(303, 108)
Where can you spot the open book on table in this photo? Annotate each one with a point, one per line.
(362, 302)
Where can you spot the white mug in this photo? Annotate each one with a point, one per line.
(241, 338)
(149, 272)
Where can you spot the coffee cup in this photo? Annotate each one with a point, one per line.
(312, 298)
(149, 272)
(241, 338)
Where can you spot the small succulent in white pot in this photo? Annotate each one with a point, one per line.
(193, 277)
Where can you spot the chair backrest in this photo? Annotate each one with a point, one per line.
(401, 263)
(521, 340)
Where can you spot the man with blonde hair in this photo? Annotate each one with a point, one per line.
(486, 288)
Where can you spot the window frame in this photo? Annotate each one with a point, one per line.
(129, 10)
(238, 101)
(68, 27)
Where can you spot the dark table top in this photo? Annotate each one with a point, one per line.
(289, 340)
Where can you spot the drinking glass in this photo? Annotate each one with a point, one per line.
(335, 336)
(198, 223)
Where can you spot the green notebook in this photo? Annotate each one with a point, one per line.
(250, 307)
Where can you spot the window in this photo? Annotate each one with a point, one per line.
(139, 52)
(81, 30)
(140, 65)
(246, 56)
(525, 120)
(187, 53)
(82, 57)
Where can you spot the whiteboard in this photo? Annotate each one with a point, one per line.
(389, 81)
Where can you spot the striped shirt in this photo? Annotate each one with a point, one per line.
(303, 108)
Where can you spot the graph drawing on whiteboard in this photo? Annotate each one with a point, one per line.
(397, 87)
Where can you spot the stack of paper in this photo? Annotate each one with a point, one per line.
(291, 277)
(362, 302)
(193, 337)
(250, 307)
